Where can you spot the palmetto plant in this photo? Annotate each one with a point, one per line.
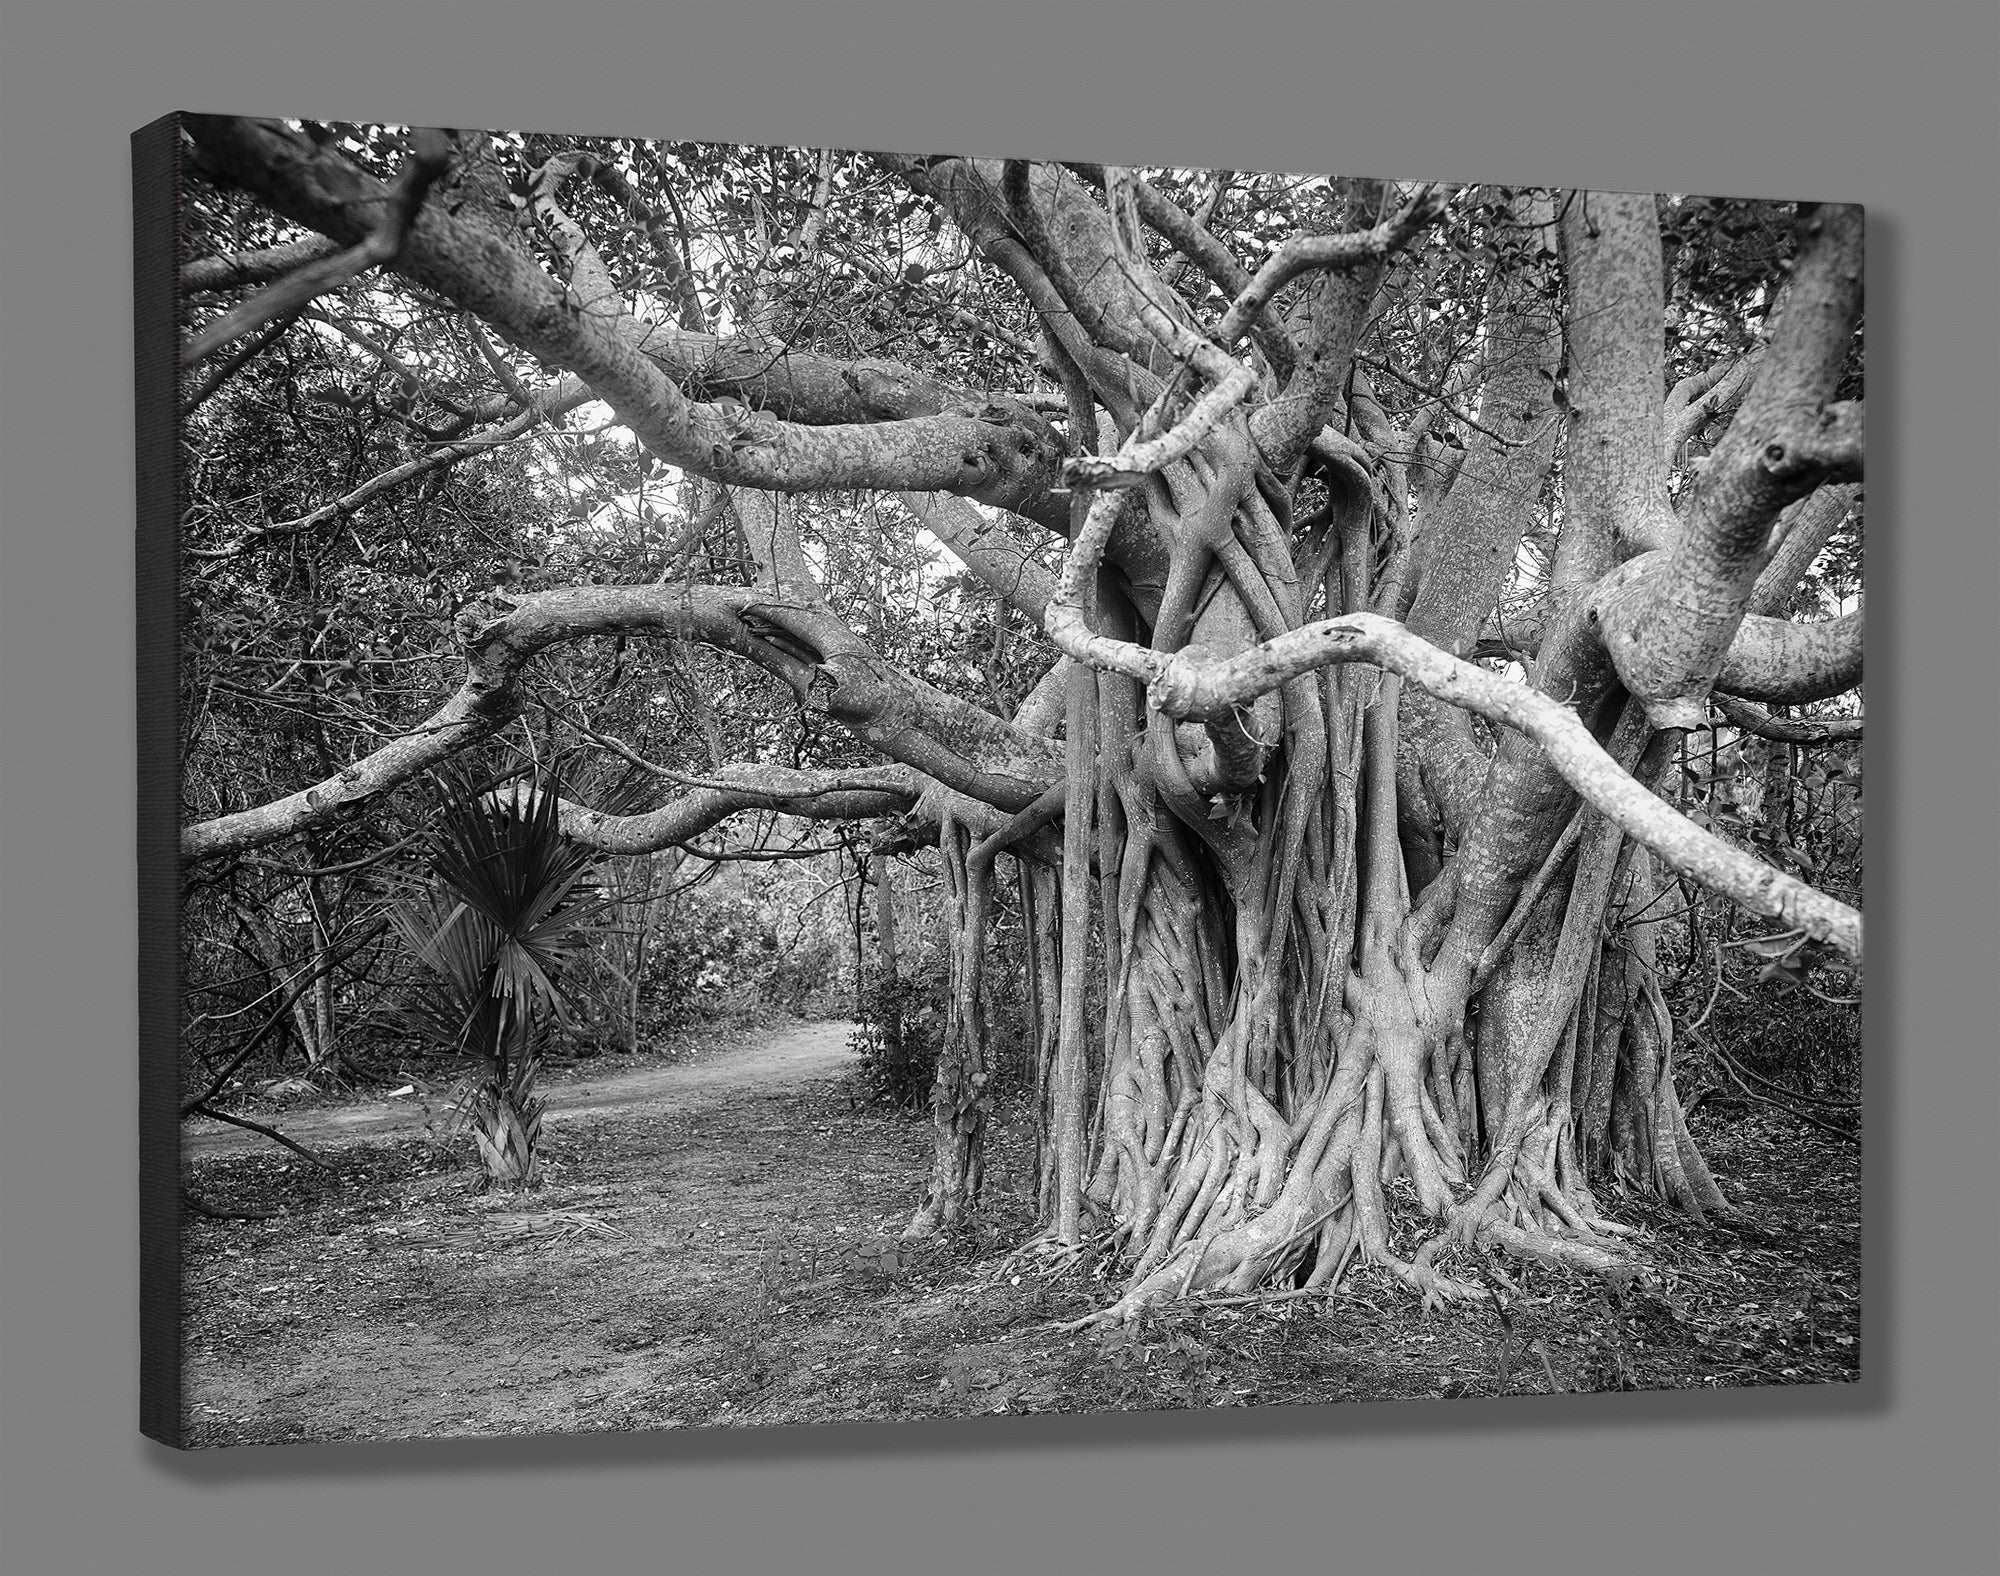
(504, 912)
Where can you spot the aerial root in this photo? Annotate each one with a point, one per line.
(1207, 1242)
(1523, 1221)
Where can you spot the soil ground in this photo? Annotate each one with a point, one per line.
(779, 1058)
(716, 1243)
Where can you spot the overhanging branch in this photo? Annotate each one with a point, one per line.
(810, 795)
(996, 450)
(1194, 687)
(914, 723)
(379, 243)
(489, 697)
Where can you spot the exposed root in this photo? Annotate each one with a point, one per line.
(1565, 1251)
(1521, 1206)
(1047, 1257)
(1294, 1023)
(1435, 1287)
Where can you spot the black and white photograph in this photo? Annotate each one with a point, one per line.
(799, 785)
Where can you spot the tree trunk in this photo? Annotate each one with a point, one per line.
(1324, 1004)
(887, 959)
(323, 1047)
(960, 1097)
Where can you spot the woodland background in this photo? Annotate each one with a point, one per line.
(1698, 100)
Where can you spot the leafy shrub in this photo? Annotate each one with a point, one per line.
(899, 1037)
(803, 979)
(1793, 1038)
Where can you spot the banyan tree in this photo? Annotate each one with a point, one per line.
(1385, 544)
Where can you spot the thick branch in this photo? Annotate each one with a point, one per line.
(1188, 237)
(1614, 477)
(1669, 637)
(1801, 533)
(1076, 233)
(998, 451)
(1786, 730)
(1332, 317)
(379, 242)
(1470, 539)
(948, 739)
(1772, 659)
(235, 270)
(489, 697)
(814, 796)
(960, 744)
(1189, 686)
(987, 548)
(1303, 253)
(1199, 246)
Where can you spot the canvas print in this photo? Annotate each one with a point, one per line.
(789, 785)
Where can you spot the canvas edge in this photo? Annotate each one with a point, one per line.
(156, 181)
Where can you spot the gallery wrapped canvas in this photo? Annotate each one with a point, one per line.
(788, 785)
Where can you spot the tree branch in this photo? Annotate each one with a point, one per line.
(256, 1127)
(811, 795)
(1772, 659)
(948, 739)
(1614, 476)
(999, 451)
(1669, 635)
(1801, 535)
(1189, 686)
(985, 547)
(1695, 402)
(234, 270)
(543, 407)
(1786, 730)
(380, 242)
(1302, 253)
(1198, 245)
(488, 698)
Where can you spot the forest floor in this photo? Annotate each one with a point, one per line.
(716, 1244)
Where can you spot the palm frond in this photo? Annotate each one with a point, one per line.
(503, 912)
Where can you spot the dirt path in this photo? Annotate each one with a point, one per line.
(773, 1060)
(721, 1247)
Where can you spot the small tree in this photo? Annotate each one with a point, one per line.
(501, 920)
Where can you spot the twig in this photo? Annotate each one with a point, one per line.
(327, 964)
(258, 1127)
(210, 1212)
(1736, 1077)
(1291, 1295)
(235, 362)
